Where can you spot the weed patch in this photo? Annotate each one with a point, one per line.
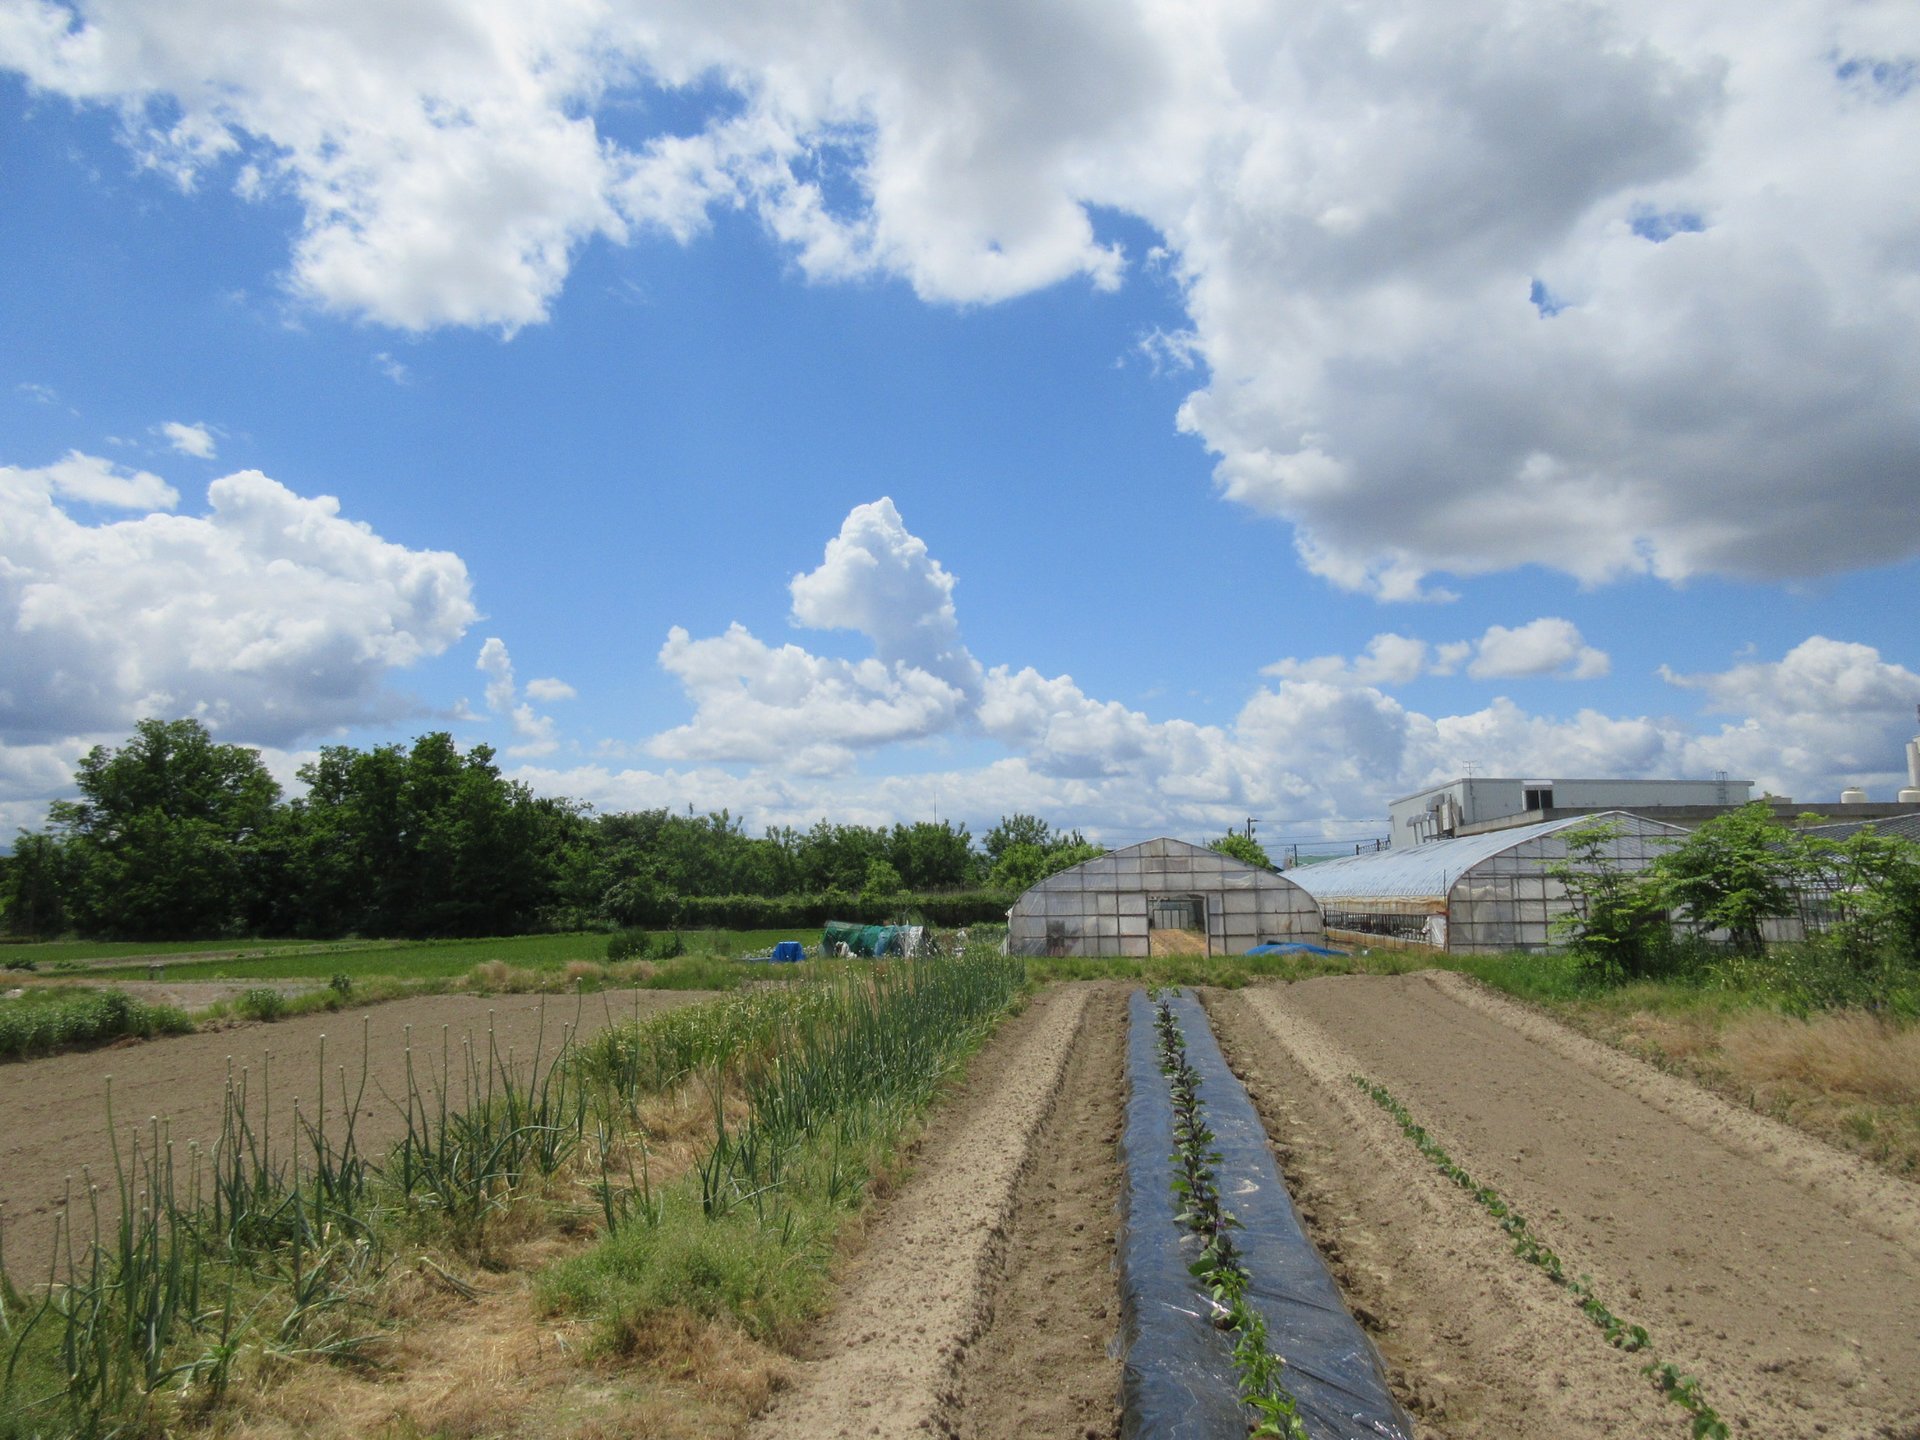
(42, 1021)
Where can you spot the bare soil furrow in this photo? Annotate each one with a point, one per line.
(1477, 1345)
(1869, 1196)
(886, 1360)
(1043, 1366)
(1799, 1319)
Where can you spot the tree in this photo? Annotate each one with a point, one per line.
(1615, 921)
(420, 841)
(1019, 830)
(33, 887)
(1734, 873)
(1022, 866)
(1872, 889)
(1242, 847)
(882, 881)
(932, 855)
(165, 836)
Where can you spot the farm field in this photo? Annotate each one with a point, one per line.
(415, 959)
(54, 1108)
(975, 1295)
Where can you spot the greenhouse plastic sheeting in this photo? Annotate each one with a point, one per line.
(1332, 1368)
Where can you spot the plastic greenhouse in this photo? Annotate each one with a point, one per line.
(1475, 895)
(1164, 894)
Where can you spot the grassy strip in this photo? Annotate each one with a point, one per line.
(1219, 1269)
(60, 953)
(438, 959)
(828, 1078)
(42, 1021)
(1683, 1390)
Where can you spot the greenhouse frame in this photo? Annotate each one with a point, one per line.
(1477, 895)
(1113, 904)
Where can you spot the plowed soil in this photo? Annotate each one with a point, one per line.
(932, 1334)
(1781, 1273)
(1784, 1275)
(53, 1112)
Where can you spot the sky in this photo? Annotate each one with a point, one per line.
(1149, 415)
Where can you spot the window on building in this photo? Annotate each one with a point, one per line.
(1539, 797)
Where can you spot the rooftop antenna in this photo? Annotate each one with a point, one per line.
(1470, 764)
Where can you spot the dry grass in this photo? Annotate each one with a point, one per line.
(1850, 1078)
(1176, 942)
(469, 1352)
(1844, 1056)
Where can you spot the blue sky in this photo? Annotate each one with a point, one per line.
(1187, 372)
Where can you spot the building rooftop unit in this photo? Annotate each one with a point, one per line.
(1476, 804)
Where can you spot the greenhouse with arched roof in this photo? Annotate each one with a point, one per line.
(1161, 897)
(1476, 895)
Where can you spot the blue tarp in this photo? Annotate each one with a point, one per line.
(1292, 947)
(788, 951)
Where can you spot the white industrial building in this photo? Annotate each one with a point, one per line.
(1475, 804)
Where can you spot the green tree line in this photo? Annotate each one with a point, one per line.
(178, 836)
(1723, 889)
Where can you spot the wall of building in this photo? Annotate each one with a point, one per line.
(1487, 802)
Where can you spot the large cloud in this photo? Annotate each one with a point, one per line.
(271, 617)
(1606, 287)
(777, 732)
(1307, 756)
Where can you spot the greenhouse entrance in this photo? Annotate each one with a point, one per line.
(1177, 925)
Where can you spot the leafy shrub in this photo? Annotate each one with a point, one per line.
(341, 985)
(262, 1002)
(641, 945)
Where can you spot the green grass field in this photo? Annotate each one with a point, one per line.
(55, 952)
(417, 959)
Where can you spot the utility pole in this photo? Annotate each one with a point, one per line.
(1251, 822)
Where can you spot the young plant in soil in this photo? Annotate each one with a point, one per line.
(1683, 1390)
(1219, 1269)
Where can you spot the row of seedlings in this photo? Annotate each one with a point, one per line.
(1683, 1389)
(1222, 1276)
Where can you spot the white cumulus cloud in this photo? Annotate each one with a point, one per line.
(776, 730)
(534, 732)
(878, 579)
(195, 439)
(1605, 286)
(270, 617)
(1548, 646)
(94, 481)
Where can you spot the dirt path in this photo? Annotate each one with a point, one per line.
(1042, 1368)
(1799, 1318)
(885, 1361)
(53, 1120)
